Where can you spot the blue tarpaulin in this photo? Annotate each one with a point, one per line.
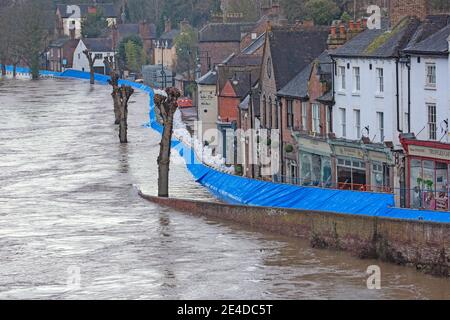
(240, 190)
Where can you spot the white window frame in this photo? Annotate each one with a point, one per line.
(315, 110)
(357, 115)
(356, 79)
(343, 115)
(343, 78)
(430, 78)
(432, 121)
(380, 80)
(304, 116)
(380, 125)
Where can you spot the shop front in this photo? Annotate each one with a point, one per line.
(363, 167)
(351, 170)
(427, 174)
(315, 162)
(381, 169)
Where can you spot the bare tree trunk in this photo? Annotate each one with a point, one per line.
(114, 82)
(125, 92)
(91, 60)
(14, 70)
(168, 106)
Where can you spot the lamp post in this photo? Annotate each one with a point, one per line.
(250, 111)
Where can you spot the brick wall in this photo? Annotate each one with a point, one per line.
(217, 51)
(423, 245)
(404, 8)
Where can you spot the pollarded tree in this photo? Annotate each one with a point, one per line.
(91, 59)
(167, 103)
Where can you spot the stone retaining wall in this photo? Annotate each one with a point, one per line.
(423, 245)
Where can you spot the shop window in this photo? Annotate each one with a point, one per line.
(316, 170)
(351, 175)
(442, 186)
(380, 177)
(326, 172)
(306, 169)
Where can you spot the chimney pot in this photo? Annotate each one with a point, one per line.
(351, 25)
(333, 31)
(342, 29)
(364, 23)
(167, 26)
(308, 23)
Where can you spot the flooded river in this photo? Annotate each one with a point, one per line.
(68, 201)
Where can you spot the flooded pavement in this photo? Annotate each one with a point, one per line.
(68, 201)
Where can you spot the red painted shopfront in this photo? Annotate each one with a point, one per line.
(427, 174)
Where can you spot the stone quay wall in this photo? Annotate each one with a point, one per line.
(419, 244)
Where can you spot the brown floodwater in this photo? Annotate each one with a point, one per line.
(68, 201)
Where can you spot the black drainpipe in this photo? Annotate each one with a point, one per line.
(398, 94)
(409, 95)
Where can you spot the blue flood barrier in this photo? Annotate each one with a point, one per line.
(245, 191)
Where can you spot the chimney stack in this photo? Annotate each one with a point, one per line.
(308, 23)
(167, 26)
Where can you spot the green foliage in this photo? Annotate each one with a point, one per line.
(131, 54)
(289, 148)
(247, 7)
(186, 46)
(323, 12)
(294, 9)
(93, 25)
(440, 5)
(346, 17)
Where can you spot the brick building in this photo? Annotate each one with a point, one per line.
(284, 59)
(217, 41)
(404, 8)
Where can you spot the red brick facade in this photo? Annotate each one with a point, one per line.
(404, 8)
(217, 52)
